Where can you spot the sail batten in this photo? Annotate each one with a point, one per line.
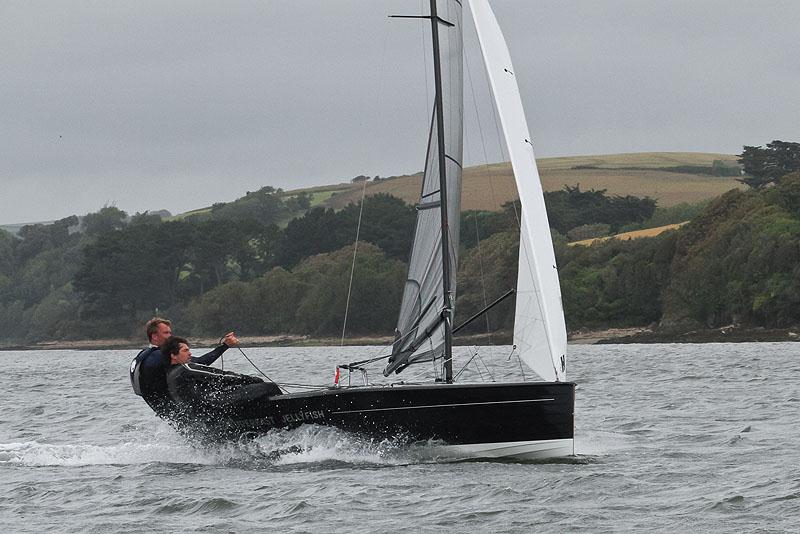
(540, 337)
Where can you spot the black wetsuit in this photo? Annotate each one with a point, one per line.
(207, 390)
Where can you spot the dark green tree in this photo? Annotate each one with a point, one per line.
(144, 218)
(571, 207)
(739, 262)
(138, 268)
(313, 233)
(107, 219)
(479, 225)
(311, 299)
(375, 299)
(764, 166)
(386, 221)
(265, 206)
(36, 238)
(7, 251)
(485, 272)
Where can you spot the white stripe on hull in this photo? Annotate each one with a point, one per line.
(450, 405)
(512, 450)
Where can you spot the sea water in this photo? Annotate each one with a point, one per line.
(679, 437)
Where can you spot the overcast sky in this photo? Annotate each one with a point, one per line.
(176, 105)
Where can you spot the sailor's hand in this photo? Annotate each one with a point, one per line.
(230, 339)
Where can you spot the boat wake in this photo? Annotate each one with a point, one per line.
(328, 447)
(309, 445)
(35, 454)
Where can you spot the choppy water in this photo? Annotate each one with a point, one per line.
(690, 437)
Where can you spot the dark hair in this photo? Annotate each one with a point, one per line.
(172, 346)
(151, 327)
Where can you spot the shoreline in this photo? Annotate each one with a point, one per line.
(632, 335)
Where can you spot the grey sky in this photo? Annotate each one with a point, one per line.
(176, 105)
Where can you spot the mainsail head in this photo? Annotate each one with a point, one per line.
(423, 312)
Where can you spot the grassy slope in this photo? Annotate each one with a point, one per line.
(487, 187)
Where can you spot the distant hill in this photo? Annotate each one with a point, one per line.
(14, 229)
(669, 177)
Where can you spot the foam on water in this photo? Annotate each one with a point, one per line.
(317, 444)
(35, 454)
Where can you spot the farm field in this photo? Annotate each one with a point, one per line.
(626, 236)
(488, 187)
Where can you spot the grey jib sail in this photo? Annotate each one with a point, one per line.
(420, 331)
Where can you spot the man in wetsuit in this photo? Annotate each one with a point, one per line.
(200, 390)
(149, 367)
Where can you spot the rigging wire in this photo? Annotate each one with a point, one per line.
(519, 359)
(480, 358)
(260, 371)
(491, 191)
(464, 367)
(222, 357)
(353, 266)
(377, 114)
(483, 277)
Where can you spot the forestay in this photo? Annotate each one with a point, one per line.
(420, 327)
(539, 331)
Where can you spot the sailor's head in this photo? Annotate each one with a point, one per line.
(177, 348)
(158, 330)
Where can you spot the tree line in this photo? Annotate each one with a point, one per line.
(103, 274)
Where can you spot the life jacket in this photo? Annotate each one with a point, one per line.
(136, 369)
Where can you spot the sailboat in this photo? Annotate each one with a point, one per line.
(520, 420)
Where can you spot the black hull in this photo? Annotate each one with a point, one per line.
(452, 414)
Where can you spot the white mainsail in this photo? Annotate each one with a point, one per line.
(540, 334)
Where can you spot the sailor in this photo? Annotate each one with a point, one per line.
(148, 379)
(177, 350)
(198, 388)
(148, 369)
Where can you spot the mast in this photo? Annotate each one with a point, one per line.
(448, 305)
(425, 322)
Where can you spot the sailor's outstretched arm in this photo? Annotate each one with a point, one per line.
(228, 341)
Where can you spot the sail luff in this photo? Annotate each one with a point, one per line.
(539, 329)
